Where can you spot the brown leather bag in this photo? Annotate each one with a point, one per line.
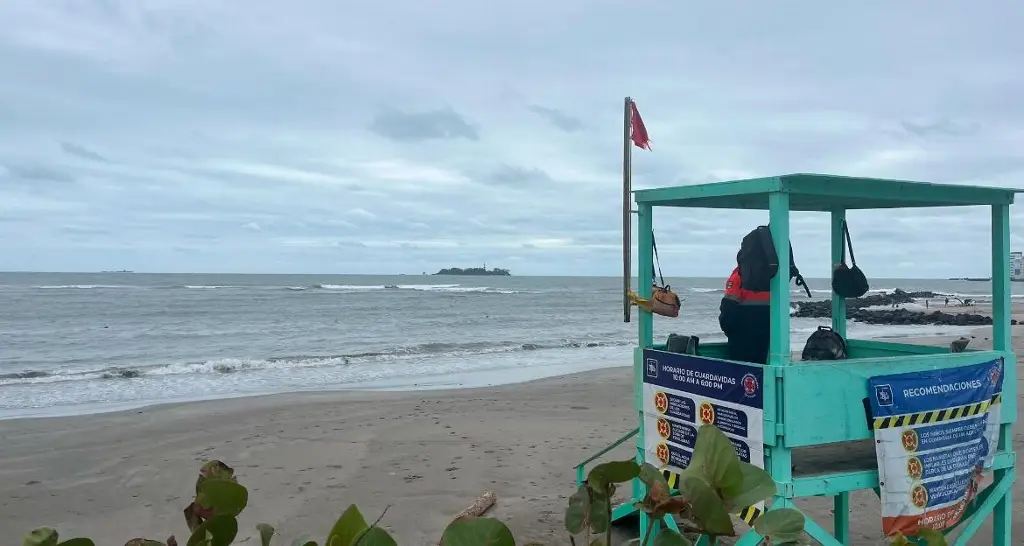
(664, 301)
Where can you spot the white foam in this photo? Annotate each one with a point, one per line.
(79, 286)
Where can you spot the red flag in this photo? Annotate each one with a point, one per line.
(639, 133)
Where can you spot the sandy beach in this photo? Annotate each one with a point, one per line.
(305, 457)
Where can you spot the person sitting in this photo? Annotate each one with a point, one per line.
(745, 319)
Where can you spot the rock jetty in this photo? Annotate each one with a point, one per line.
(858, 309)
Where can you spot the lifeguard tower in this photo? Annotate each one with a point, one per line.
(818, 435)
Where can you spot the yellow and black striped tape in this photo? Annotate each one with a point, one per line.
(748, 514)
(936, 416)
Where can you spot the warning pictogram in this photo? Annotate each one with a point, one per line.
(914, 468)
(661, 402)
(919, 496)
(707, 413)
(664, 428)
(909, 440)
(662, 453)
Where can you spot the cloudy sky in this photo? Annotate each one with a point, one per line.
(325, 136)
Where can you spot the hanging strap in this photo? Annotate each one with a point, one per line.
(849, 243)
(796, 272)
(657, 262)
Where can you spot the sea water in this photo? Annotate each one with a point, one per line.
(82, 343)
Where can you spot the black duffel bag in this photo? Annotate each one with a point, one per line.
(848, 281)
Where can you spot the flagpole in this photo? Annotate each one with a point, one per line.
(627, 182)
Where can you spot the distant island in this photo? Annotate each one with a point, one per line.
(973, 279)
(475, 271)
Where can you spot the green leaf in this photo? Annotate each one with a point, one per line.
(146, 542)
(612, 472)
(40, 536)
(782, 525)
(350, 524)
(213, 470)
(217, 469)
(599, 508)
(756, 486)
(932, 537)
(706, 508)
(900, 540)
(266, 533)
(714, 457)
(657, 487)
(303, 540)
(577, 513)
(668, 537)
(477, 532)
(220, 530)
(225, 497)
(374, 536)
(81, 542)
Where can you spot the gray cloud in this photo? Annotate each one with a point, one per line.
(222, 122)
(84, 230)
(517, 177)
(38, 172)
(558, 118)
(81, 151)
(444, 123)
(943, 126)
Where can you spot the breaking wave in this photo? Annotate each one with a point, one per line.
(81, 286)
(233, 365)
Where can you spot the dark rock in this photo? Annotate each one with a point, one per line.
(856, 310)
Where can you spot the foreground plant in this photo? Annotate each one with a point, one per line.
(715, 484)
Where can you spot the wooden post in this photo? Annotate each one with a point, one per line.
(1001, 310)
(778, 458)
(645, 270)
(645, 338)
(1002, 515)
(838, 302)
(627, 186)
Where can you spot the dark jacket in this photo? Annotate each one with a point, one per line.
(745, 318)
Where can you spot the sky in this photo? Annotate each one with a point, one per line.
(317, 136)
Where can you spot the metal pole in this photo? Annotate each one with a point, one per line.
(627, 168)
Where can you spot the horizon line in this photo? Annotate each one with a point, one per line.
(133, 272)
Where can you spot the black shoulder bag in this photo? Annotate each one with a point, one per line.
(848, 281)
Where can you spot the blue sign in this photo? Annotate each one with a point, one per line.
(719, 379)
(916, 392)
(951, 461)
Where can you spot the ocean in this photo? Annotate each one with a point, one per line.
(85, 343)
